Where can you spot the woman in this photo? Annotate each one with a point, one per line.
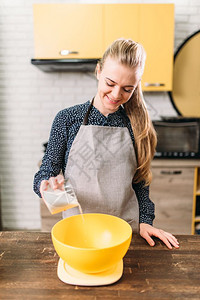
(105, 146)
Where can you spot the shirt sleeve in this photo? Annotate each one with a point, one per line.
(53, 158)
(146, 206)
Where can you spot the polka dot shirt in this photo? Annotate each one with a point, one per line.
(63, 132)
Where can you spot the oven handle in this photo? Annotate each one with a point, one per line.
(175, 172)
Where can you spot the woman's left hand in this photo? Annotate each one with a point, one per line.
(147, 231)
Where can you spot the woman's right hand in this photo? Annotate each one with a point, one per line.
(54, 183)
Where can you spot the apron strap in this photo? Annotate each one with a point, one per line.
(85, 120)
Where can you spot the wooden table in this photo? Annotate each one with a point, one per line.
(28, 270)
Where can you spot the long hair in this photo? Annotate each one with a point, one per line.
(132, 54)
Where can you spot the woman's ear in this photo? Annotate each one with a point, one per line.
(98, 71)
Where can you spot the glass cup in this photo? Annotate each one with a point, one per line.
(59, 200)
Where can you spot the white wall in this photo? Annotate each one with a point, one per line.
(30, 98)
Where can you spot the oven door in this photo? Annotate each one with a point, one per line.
(177, 139)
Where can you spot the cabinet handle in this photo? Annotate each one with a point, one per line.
(154, 84)
(171, 172)
(67, 52)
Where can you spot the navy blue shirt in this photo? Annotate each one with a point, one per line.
(63, 132)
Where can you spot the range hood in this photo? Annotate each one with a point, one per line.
(67, 65)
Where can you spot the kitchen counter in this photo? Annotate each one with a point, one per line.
(28, 270)
(175, 163)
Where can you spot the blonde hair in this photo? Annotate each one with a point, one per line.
(132, 54)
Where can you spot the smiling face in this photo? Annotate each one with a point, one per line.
(116, 85)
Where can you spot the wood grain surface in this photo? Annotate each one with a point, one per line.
(28, 270)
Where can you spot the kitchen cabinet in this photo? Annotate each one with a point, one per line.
(68, 30)
(83, 31)
(196, 203)
(121, 20)
(171, 191)
(153, 26)
(156, 33)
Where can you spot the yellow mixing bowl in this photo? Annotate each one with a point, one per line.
(91, 243)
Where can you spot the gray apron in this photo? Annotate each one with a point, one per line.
(101, 166)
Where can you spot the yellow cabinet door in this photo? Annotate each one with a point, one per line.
(156, 33)
(120, 21)
(68, 31)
